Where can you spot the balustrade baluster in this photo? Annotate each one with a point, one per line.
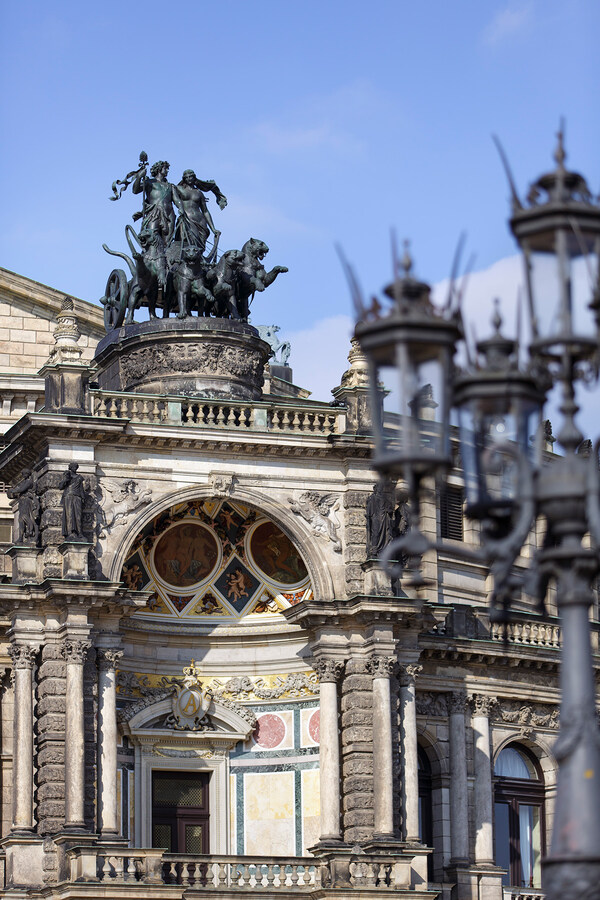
(220, 416)
(270, 875)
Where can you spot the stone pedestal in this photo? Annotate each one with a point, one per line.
(199, 357)
(377, 582)
(24, 863)
(75, 559)
(26, 566)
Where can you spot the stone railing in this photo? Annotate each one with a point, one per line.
(208, 873)
(528, 631)
(201, 873)
(523, 894)
(273, 416)
(20, 394)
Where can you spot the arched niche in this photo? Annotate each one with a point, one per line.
(158, 747)
(308, 547)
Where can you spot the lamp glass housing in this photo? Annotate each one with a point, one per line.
(561, 272)
(498, 435)
(410, 396)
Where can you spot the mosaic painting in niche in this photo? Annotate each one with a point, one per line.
(215, 559)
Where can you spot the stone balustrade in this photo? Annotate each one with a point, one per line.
(20, 394)
(526, 631)
(523, 894)
(241, 416)
(110, 866)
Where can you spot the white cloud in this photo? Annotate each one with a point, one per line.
(507, 23)
(319, 353)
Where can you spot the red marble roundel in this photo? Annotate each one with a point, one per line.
(270, 731)
(314, 726)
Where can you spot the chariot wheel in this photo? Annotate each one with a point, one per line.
(115, 299)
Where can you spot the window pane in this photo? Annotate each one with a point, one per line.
(193, 838)
(512, 764)
(161, 836)
(502, 838)
(177, 791)
(530, 845)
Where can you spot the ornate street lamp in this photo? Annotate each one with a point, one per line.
(499, 401)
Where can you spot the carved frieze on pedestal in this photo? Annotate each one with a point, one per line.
(26, 565)
(75, 557)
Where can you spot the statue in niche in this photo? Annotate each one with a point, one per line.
(74, 488)
(386, 519)
(170, 268)
(28, 504)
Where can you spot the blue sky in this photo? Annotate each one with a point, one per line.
(321, 122)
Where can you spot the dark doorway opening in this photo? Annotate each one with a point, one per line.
(180, 815)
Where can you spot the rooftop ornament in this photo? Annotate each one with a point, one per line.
(499, 396)
(169, 265)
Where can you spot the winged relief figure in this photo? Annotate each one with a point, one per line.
(320, 511)
(120, 500)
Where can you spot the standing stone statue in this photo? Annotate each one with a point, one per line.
(25, 492)
(380, 520)
(74, 491)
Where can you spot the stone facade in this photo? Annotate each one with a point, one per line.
(218, 621)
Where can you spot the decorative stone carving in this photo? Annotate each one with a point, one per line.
(268, 333)
(22, 655)
(75, 651)
(222, 483)
(410, 673)
(526, 715)
(189, 702)
(175, 753)
(482, 705)
(28, 503)
(432, 704)
(296, 684)
(328, 670)
(108, 658)
(382, 666)
(319, 510)
(380, 519)
(120, 500)
(66, 336)
(457, 702)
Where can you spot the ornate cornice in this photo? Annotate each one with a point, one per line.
(457, 703)
(409, 674)
(482, 705)
(328, 670)
(75, 651)
(22, 655)
(108, 658)
(382, 666)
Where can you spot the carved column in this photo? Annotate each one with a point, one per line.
(410, 781)
(329, 671)
(484, 844)
(107, 741)
(74, 652)
(459, 801)
(381, 667)
(23, 658)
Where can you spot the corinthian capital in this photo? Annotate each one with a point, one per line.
(482, 704)
(75, 651)
(381, 666)
(22, 655)
(328, 669)
(410, 673)
(457, 702)
(108, 658)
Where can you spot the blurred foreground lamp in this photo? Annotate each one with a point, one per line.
(499, 409)
(410, 353)
(559, 226)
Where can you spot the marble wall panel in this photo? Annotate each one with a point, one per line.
(269, 813)
(309, 727)
(310, 808)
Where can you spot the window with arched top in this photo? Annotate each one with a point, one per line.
(519, 816)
